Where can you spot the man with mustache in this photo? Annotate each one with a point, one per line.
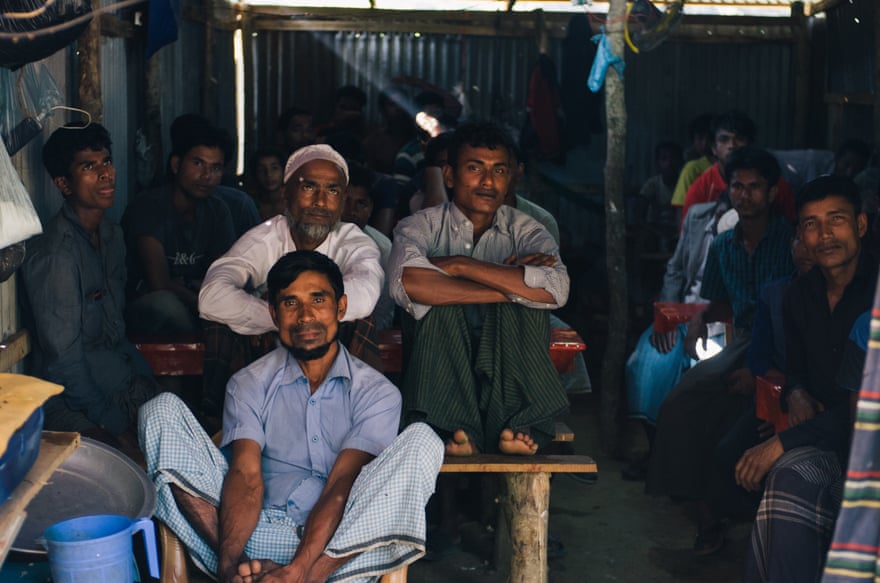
(175, 231)
(803, 464)
(478, 279)
(315, 178)
(74, 291)
(318, 482)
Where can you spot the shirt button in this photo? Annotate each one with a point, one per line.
(314, 439)
(311, 401)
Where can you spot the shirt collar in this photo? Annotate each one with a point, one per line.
(340, 369)
(500, 222)
(68, 213)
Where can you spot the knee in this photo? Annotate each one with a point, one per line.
(159, 411)
(424, 443)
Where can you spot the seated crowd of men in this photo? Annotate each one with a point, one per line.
(286, 288)
(296, 501)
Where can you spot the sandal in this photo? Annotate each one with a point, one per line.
(709, 540)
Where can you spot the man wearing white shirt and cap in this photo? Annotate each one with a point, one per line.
(315, 178)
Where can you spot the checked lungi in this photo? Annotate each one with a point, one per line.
(383, 527)
(797, 514)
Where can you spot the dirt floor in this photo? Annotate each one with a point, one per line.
(609, 530)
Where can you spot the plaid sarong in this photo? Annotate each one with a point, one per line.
(855, 551)
(795, 520)
(382, 529)
(504, 379)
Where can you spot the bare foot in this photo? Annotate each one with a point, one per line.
(516, 443)
(461, 445)
(253, 570)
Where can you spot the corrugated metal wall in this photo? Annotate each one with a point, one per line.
(665, 87)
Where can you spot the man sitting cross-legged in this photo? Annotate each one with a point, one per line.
(479, 278)
(318, 483)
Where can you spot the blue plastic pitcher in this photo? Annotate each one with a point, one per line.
(97, 549)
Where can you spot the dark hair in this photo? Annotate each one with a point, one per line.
(827, 185)
(352, 92)
(854, 145)
(429, 98)
(287, 269)
(359, 175)
(261, 153)
(191, 130)
(752, 158)
(736, 122)
(701, 125)
(673, 148)
(288, 114)
(436, 145)
(66, 141)
(479, 134)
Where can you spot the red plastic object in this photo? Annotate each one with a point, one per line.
(768, 391)
(668, 315)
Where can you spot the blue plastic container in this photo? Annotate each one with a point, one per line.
(97, 549)
(21, 453)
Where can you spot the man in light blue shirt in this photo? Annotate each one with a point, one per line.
(317, 481)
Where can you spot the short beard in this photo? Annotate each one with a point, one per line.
(307, 354)
(310, 231)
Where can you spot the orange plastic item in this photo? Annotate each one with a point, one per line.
(767, 407)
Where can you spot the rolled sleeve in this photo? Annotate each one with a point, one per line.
(409, 249)
(359, 261)
(553, 280)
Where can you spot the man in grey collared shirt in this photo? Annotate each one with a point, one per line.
(478, 279)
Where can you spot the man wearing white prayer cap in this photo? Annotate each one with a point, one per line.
(315, 179)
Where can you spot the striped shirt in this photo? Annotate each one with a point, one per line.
(734, 276)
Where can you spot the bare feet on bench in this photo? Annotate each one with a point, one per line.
(461, 444)
(254, 570)
(517, 443)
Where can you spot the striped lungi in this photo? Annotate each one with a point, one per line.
(796, 517)
(383, 526)
(855, 551)
(503, 379)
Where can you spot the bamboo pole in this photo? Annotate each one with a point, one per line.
(615, 236)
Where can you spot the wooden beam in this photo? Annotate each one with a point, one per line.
(13, 349)
(823, 6)
(526, 513)
(498, 463)
(89, 74)
(801, 75)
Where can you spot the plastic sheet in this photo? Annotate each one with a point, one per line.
(27, 96)
(18, 219)
(26, 18)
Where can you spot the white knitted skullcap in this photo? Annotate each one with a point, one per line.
(315, 152)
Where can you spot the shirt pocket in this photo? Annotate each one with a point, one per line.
(93, 314)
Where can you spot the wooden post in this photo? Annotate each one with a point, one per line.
(89, 74)
(615, 236)
(155, 162)
(801, 75)
(209, 81)
(525, 510)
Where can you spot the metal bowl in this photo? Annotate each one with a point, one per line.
(95, 479)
